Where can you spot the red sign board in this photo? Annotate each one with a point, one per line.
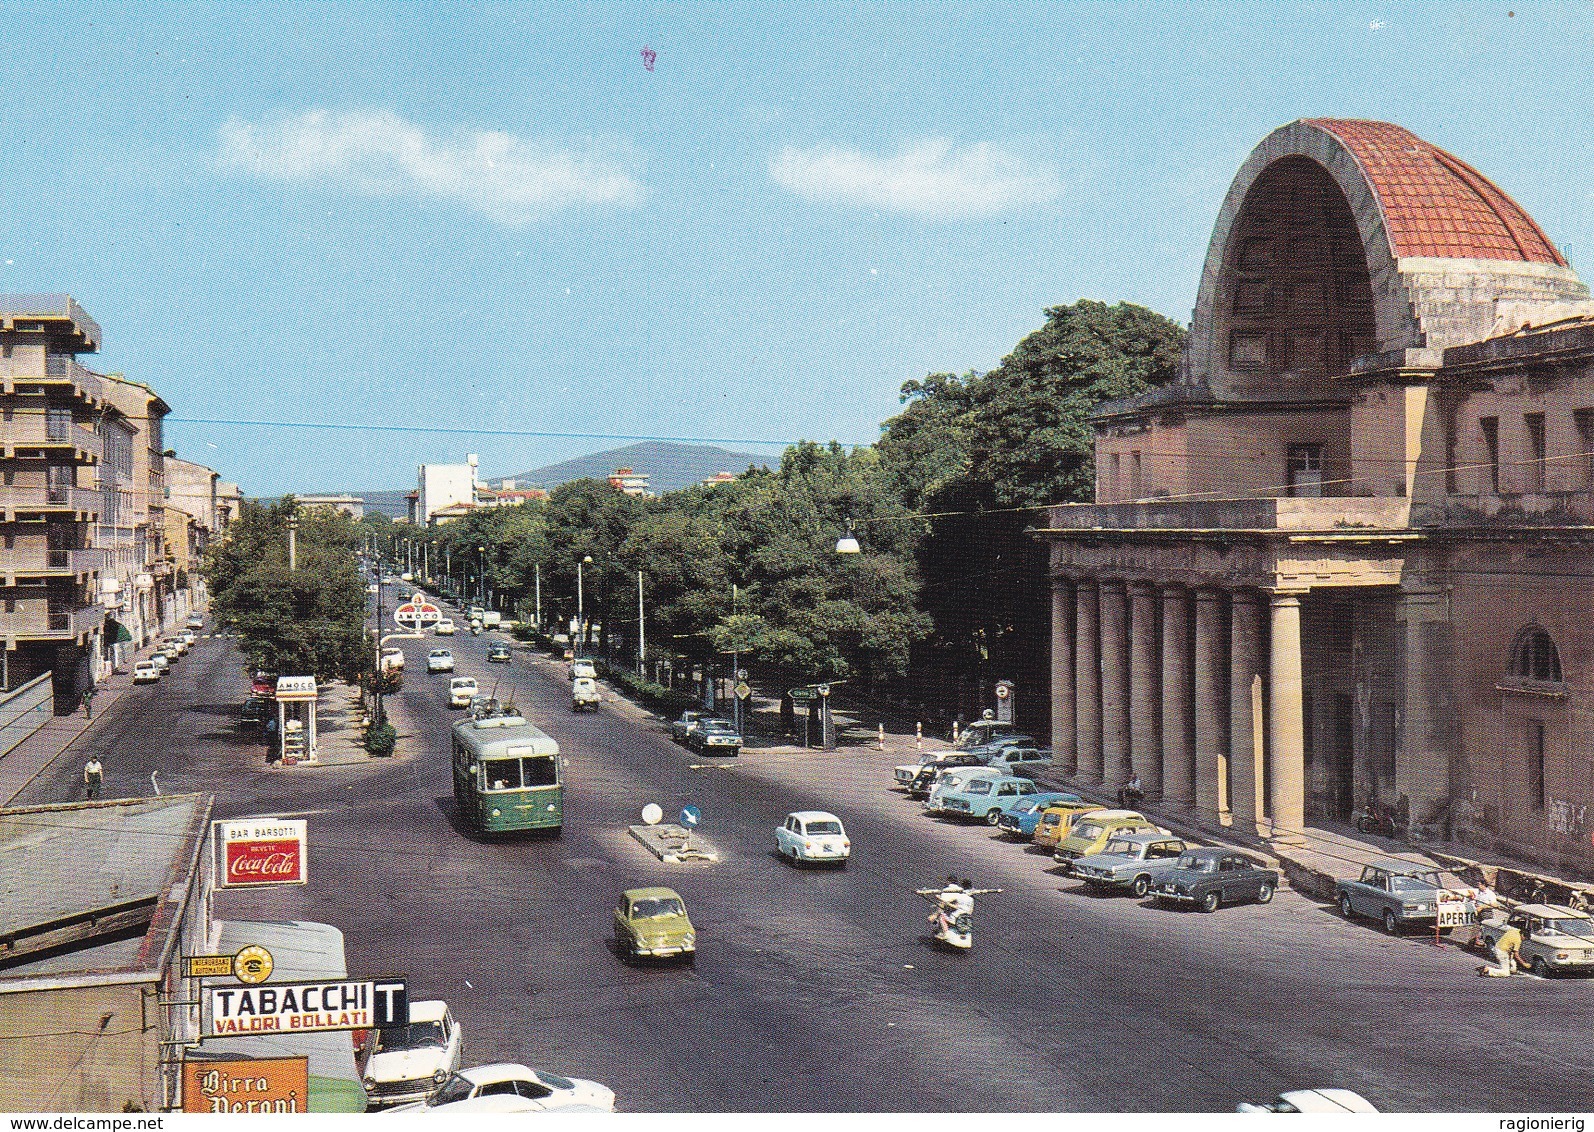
(262, 851)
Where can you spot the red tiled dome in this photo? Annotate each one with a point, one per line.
(1435, 204)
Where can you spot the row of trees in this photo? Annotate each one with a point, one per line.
(949, 586)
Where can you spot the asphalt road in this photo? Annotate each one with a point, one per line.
(818, 990)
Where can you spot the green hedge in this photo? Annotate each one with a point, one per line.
(655, 696)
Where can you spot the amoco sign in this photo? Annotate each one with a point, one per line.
(259, 851)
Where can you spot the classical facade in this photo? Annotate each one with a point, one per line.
(1347, 556)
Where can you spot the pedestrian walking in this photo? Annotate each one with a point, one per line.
(93, 776)
(88, 702)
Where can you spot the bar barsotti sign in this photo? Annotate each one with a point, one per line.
(299, 1008)
(259, 851)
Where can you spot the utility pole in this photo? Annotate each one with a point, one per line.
(538, 568)
(641, 632)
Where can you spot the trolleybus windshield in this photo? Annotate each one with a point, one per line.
(520, 772)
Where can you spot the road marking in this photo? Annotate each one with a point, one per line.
(710, 766)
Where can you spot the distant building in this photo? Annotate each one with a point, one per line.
(628, 482)
(442, 485)
(718, 478)
(351, 505)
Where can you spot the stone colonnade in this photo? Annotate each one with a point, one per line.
(1195, 689)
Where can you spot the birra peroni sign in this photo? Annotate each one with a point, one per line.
(275, 1084)
(299, 1008)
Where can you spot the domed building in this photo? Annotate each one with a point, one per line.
(1348, 554)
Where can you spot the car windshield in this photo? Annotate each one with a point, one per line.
(413, 1036)
(824, 827)
(1399, 883)
(653, 908)
(1198, 864)
(456, 1088)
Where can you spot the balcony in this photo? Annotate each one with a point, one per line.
(62, 370)
(30, 563)
(47, 309)
(58, 623)
(1336, 514)
(82, 503)
(35, 435)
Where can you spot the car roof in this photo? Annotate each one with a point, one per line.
(497, 1071)
(1143, 835)
(439, 652)
(1328, 1100)
(1554, 911)
(428, 1010)
(1207, 851)
(1114, 815)
(813, 815)
(1403, 868)
(654, 893)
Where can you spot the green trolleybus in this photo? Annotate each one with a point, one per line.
(507, 775)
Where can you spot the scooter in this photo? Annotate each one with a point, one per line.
(953, 918)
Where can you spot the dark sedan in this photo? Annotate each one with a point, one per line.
(252, 714)
(499, 653)
(1207, 878)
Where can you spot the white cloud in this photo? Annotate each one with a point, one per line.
(928, 179)
(507, 179)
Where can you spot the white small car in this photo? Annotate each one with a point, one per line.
(507, 1087)
(409, 1063)
(146, 672)
(188, 636)
(582, 667)
(439, 660)
(161, 661)
(195, 621)
(444, 627)
(810, 836)
(175, 643)
(460, 691)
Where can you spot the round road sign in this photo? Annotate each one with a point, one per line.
(691, 816)
(651, 814)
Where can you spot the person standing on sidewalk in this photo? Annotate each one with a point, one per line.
(88, 702)
(93, 776)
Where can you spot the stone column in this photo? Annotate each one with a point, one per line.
(1178, 754)
(1065, 752)
(1145, 689)
(1246, 674)
(1114, 684)
(1422, 762)
(1286, 721)
(1211, 723)
(1087, 680)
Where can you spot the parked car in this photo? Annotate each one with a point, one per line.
(1401, 893)
(982, 731)
(809, 836)
(1132, 864)
(1555, 938)
(905, 774)
(1091, 834)
(952, 779)
(161, 660)
(1021, 760)
(444, 627)
(1312, 1100)
(680, 728)
(189, 637)
(1207, 878)
(1021, 818)
(498, 654)
(195, 622)
(583, 667)
(986, 798)
(439, 660)
(988, 750)
(252, 713)
(584, 695)
(391, 659)
(409, 1063)
(263, 684)
(715, 737)
(146, 672)
(172, 652)
(510, 1087)
(652, 923)
(175, 642)
(460, 691)
(1057, 822)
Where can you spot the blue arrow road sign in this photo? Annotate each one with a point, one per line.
(691, 816)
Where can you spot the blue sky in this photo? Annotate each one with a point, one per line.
(497, 217)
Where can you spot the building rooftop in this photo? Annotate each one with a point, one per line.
(1434, 204)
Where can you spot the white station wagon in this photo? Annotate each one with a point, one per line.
(810, 836)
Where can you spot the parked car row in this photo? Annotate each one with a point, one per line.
(1114, 850)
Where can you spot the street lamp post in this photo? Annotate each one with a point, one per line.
(641, 632)
(581, 601)
(481, 574)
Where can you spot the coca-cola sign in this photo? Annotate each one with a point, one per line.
(259, 851)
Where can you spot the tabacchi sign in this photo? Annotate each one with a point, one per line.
(259, 851)
(276, 1084)
(348, 1004)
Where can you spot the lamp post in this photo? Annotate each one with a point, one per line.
(293, 543)
(538, 568)
(641, 632)
(581, 601)
(481, 574)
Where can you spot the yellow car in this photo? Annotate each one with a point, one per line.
(1091, 834)
(1057, 820)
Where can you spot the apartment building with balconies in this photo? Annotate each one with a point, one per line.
(138, 584)
(53, 417)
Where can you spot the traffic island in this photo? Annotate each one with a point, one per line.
(672, 844)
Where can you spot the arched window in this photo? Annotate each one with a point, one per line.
(1534, 657)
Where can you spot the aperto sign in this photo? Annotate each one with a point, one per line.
(258, 852)
(302, 1008)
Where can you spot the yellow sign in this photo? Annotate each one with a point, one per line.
(252, 964)
(275, 1084)
(208, 966)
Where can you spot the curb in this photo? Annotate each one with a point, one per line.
(669, 844)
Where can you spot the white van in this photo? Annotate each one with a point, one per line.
(492, 619)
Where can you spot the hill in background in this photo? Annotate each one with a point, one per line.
(668, 466)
